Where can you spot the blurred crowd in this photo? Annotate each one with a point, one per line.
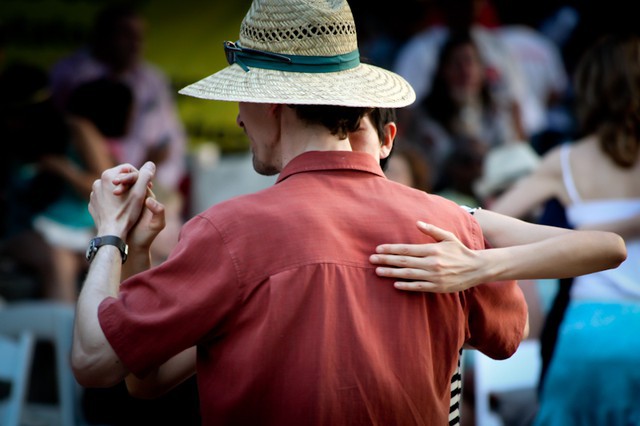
(101, 105)
(492, 88)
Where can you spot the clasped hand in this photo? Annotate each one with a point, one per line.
(118, 200)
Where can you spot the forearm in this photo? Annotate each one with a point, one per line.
(505, 231)
(566, 255)
(94, 362)
(77, 178)
(523, 251)
(80, 180)
(139, 260)
(539, 251)
(166, 377)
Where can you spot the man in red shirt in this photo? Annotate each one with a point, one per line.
(275, 289)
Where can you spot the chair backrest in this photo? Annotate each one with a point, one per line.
(520, 371)
(15, 366)
(52, 322)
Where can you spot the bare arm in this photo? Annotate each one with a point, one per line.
(152, 220)
(524, 251)
(530, 192)
(92, 149)
(166, 377)
(94, 362)
(183, 365)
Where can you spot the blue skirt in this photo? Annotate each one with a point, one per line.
(594, 375)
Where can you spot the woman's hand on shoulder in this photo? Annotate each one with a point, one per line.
(444, 266)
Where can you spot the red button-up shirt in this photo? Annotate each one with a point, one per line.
(292, 324)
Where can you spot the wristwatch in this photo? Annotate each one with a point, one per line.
(111, 240)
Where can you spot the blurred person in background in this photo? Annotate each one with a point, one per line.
(462, 117)
(542, 64)
(32, 129)
(594, 374)
(417, 59)
(97, 111)
(156, 133)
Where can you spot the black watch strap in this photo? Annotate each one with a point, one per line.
(104, 240)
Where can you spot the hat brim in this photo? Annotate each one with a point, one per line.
(363, 86)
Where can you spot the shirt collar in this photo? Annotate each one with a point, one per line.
(331, 160)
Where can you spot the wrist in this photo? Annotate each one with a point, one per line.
(112, 230)
(137, 249)
(106, 240)
(492, 265)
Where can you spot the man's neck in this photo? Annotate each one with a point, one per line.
(298, 137)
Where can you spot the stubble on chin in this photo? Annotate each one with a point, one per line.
(264, 169)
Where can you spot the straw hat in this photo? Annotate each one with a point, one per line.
(301, 52)
(504, 165)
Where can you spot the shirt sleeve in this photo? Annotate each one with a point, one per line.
(188, 298)
(497, 314)
(497, 317)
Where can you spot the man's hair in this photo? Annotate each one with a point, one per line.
(380, 117)
(340, 120)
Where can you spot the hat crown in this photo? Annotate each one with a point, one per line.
(300, 27)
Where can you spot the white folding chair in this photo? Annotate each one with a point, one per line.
(15, 366)
(52, 322)
(519, 372)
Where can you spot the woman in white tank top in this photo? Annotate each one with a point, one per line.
(594, 376)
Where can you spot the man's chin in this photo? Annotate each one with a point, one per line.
(264, 169)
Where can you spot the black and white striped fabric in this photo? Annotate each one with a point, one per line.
(456, 379)
(456, 394)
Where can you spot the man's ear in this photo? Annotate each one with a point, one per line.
(390, 131)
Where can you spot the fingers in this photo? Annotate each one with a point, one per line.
(145, 176)
(129, 175)
(419, 286)
(407, 261)
(152, 204)
(157, 209)
(433, 231)
(147, 172)
(95, 185)
(413, 274)
(124, 181)
(116, 176)
(418, 250)
(416, 280)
